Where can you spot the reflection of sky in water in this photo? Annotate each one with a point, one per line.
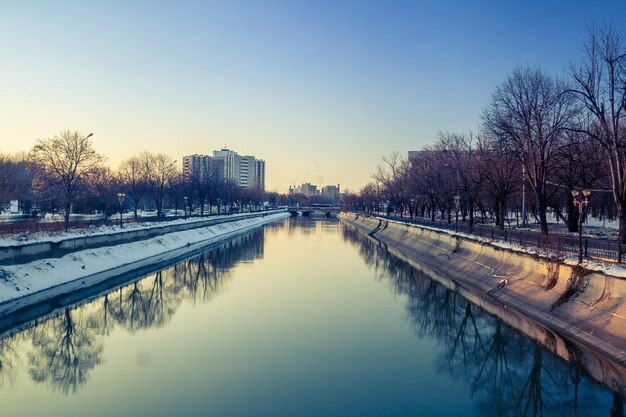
(282, 322)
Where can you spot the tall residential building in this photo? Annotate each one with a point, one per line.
(260, 174)
(244, 170)
(201, 165)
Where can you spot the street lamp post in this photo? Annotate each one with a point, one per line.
(581, 200)
(121, 197)
(185, 207)
(457, 199)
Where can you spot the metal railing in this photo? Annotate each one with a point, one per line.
(38, 225)
(557, 243)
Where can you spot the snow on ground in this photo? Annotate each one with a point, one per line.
(17, 281)
(57, 236)
(609, 268)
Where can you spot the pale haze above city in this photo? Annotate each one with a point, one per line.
(320, 90)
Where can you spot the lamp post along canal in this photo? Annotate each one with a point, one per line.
(581, 200)
(457, 199)
(121, 197)
(185, 207)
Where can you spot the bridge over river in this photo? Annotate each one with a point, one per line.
(314, 210)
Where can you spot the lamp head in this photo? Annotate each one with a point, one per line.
(575, 193)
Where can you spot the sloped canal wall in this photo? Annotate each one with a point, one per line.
(569, 302)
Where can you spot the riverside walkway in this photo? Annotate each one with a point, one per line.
(560, 244)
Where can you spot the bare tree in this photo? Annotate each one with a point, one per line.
(102, 186)
(393, 180)
(501, 172)
(66, 160)
(600, 85)
(15, 180)
(132, 174)
(530, 111)
(160, 171)
(459, 153)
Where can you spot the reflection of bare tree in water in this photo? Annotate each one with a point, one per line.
(618, 406)
(133, 307)
(466, 344)
(65, 349)
(67, 346)
(146, 303)
(509, 375)
(106, 316)
(200, 278)
(434, 312)
(161, 304)
(493, 376)
(8, 356)
(530, 401)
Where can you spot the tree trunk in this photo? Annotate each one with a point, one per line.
(68, 209)
(135, 209)
(496, 210)
(543, 220)
(572, 215)
(621, 217)
(432, 210)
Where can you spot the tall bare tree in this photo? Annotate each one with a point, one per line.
(600, 85)
(501, 173)
(393, 180)
(531, 111)
(66, 160)
(133, 178)
(459, 153)
(160, 172)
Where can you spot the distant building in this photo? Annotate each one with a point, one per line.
(332, 193)
(413, 154)
(307, 189)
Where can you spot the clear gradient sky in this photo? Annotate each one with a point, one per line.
(319, 89)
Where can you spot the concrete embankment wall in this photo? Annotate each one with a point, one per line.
(29, 251)
(583, 305)
(44, 281)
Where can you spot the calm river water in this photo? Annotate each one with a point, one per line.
(301, 318)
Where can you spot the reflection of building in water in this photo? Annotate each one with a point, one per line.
(249, 247)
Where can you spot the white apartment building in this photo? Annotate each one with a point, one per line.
(202, 165)
(244, 170)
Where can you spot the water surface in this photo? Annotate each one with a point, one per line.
(300, 318)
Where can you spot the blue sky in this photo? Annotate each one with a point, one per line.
(320, 89)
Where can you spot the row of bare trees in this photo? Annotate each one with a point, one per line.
(545, 135)
(65, 173)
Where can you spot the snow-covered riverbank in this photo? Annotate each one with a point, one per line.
(18, 239)
(36, 281)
